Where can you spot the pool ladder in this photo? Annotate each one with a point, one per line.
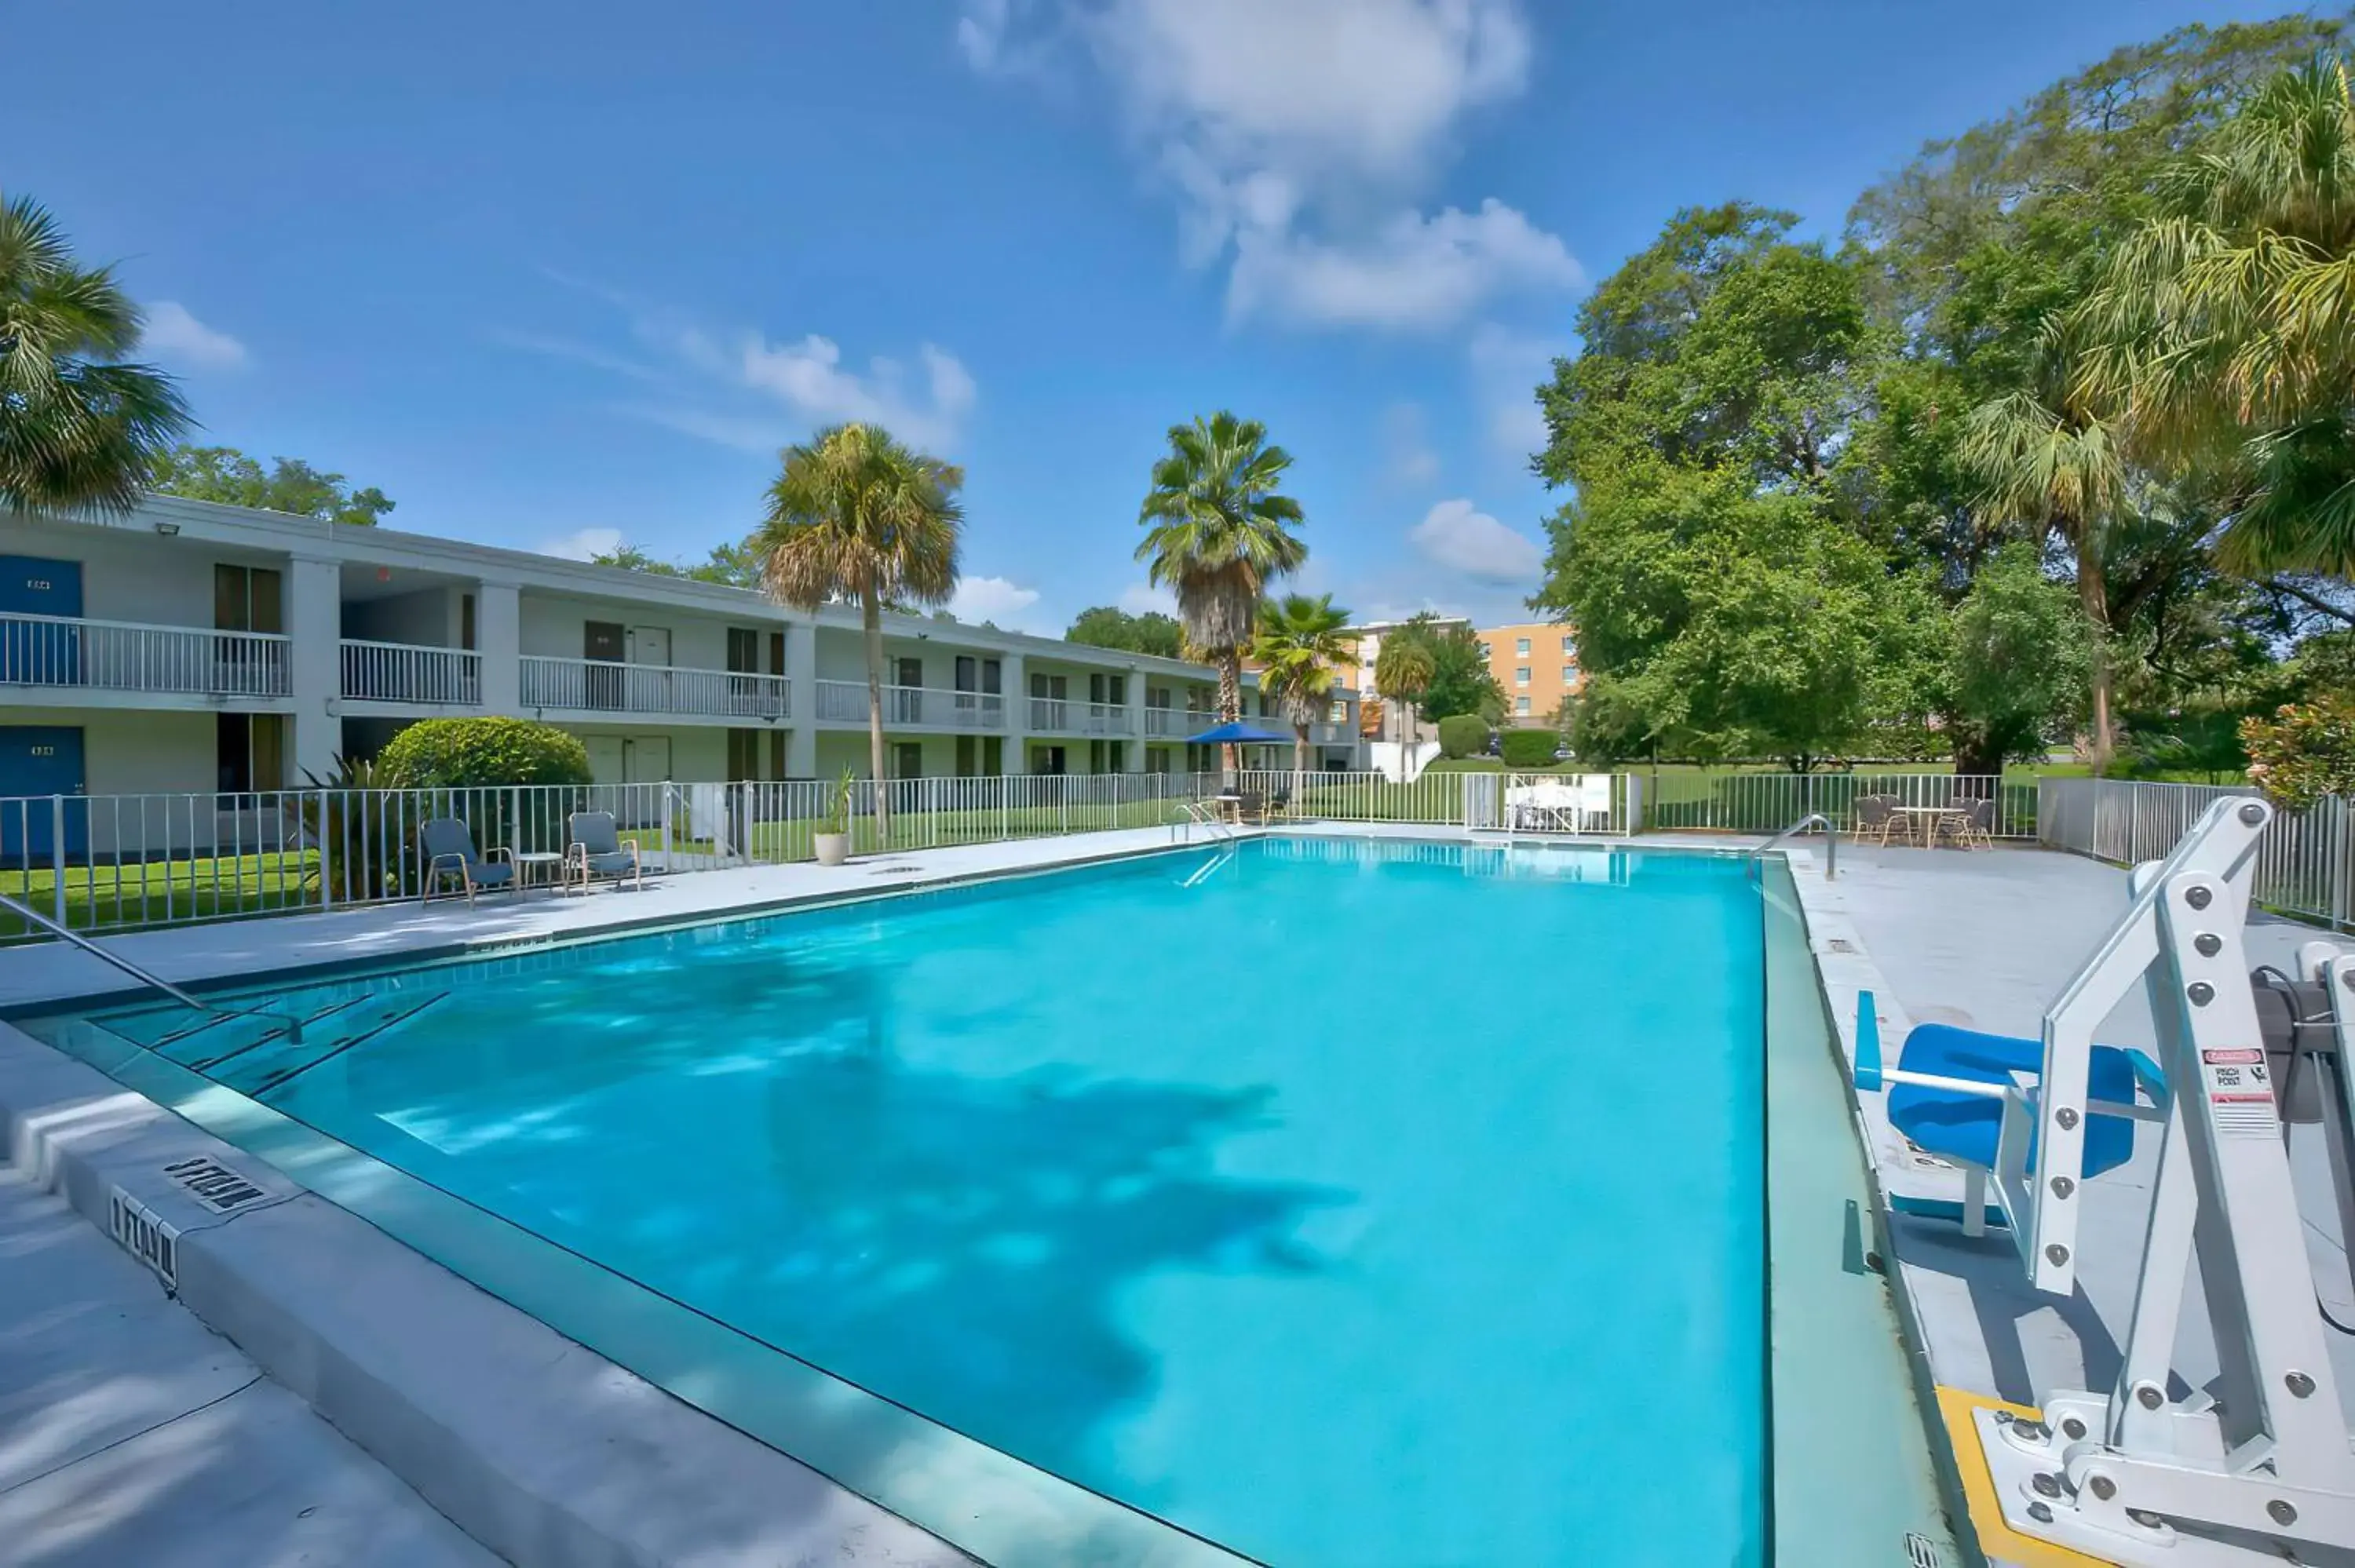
(1812, 820)
(1204, 872)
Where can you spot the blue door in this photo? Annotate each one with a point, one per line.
(37, 653)
(39, 760)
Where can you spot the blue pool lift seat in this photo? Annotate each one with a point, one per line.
(1962, 1127)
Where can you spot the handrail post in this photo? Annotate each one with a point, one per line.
(57, 855)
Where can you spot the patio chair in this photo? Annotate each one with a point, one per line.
(1276, 805)
(1972, 823)
(448, 846)
(594, 848)
(1886, 814)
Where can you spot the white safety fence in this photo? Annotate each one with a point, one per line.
(2305, 862)
(114, 862)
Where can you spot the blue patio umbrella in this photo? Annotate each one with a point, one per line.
(1237, 734)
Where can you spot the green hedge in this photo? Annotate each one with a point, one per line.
(463, 753)
(1462, 734)
(1530, 747)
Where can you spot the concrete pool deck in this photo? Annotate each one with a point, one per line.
(631, 1475)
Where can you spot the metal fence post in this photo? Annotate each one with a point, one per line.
(326, 875)
(58, 857)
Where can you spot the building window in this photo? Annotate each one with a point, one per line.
(743, 754)
(1520, 704)
(1521, 647)
(1521, 675)
(1157, 758)
(906, 760)
(1488, 650)
(776, 754)
(1569, 673)
(251, 749)
(1569, 647)
(247, 598)
(743, 650)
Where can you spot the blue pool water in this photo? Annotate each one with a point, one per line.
(1365, 1204)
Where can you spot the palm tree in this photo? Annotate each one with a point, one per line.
(853, 515)
(1402, 670)
(2052, 462)
(78, 427)
(2225, 324)
(1216, 533)
(1298, 648)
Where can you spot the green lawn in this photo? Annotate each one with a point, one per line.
(165, 892)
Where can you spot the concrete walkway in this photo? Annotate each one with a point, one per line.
(129, 1432)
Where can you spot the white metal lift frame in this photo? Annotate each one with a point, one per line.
(2261, 1471)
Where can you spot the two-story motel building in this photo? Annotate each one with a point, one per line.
(193, 647)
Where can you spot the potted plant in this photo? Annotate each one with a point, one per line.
(834, 821)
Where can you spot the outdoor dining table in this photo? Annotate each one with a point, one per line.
(1929, 817)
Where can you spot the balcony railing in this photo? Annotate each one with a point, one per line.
(1062, 715)
(1161, 722)
(845, 702)
(598, 684)
(407, 672)
(122, 656)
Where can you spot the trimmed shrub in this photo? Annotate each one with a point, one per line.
(1530, 747)
(2307, 750)
(1462, 734)
(463, 753)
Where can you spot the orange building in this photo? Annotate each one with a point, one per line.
(1536, 663)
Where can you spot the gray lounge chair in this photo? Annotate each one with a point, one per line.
(596, 849)
(448, 846)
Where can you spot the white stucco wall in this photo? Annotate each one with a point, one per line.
(135, 575)
(552, 628)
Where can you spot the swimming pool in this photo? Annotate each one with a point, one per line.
(1334, 1201)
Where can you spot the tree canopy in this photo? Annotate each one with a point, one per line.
(735, 565)
(80, 419)
(1826, 500)
(1108, 626)
(291, 485)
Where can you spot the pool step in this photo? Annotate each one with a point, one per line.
(275, 1063)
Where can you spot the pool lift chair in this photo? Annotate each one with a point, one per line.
(2262, 1471)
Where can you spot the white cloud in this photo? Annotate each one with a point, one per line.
(999, 599)
(1507, 369)
(1464, 539)
(737, 388)
(174, 334)
(584, 543)
(1143, 598)
(1408, 458)
(1415, 271)
(1294, 134)
(810, 379)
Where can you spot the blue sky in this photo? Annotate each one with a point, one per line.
(552, 275)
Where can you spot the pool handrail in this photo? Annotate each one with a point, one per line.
(1813, 819)
(293, 1024)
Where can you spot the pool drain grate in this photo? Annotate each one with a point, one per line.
(1921, 1551)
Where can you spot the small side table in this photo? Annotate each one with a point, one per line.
(541, 866)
